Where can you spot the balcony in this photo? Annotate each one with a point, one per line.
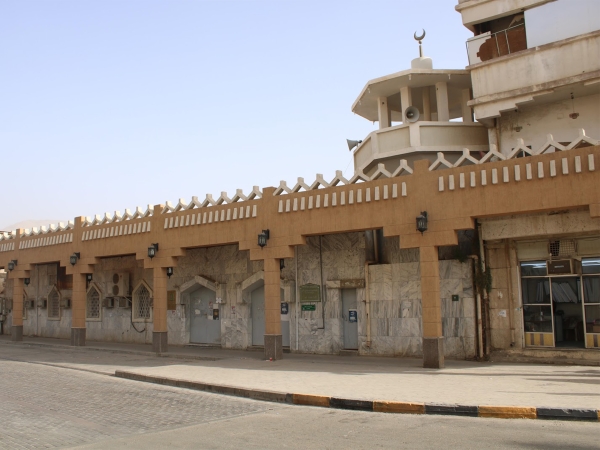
(420, 140)
(488, 46)
(502, 83)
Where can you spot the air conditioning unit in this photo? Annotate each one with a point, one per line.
(564, 267)
(119, 286)
(124, 302)
(43, 303)
(30, 304)
(65, 303)
(109, 302)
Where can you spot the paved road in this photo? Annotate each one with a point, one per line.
(45, 406)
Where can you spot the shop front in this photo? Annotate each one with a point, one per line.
(561, 302)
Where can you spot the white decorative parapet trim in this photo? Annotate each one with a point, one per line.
(211, 215)
(7, 247)
(532, 171)
(56, 239)
(182, 205)
(117, 230)
(466, 159)
(351, 196)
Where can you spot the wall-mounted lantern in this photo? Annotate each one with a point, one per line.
(89, 277)
(422, 222)
(74, 257)
(169, 271)
(281, 264)
(12, 264)
(27, 281)
(152, 250)
(263, 238)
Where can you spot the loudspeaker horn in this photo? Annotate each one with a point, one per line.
(412, 114)
(352, 144)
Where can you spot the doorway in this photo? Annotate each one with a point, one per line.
(350, 316)
(205, 324)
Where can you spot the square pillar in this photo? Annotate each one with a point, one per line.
(273, 338)
(78, 307)
(441, 97)
(383, 112)
(159, 310)
(405, 100)
(433, 337)
(16, 332)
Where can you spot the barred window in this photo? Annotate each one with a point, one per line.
(92, 307)
(142, 303)
(54, 304)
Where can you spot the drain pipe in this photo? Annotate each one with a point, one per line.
(511, 310)
(297, 293)
(475, 259)
(367, 291)
(482, 259)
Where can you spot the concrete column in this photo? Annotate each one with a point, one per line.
(441, 96)
(467, 114)
(273, 339)
(384, 113)
(433, 338)
(159, 310)
(78, 306)
(405, 100)
(426, 104)
(16, 332)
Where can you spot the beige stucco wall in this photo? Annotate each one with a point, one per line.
(539, 120)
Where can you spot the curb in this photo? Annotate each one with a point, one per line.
(499, 412)
(111, 350)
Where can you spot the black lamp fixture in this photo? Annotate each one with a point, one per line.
(281, 264)
(422, 222)
(169, 271)
(27, 281)
(89, 277)
(74, 257)
(152, 250)
(12, 264)
(263, 238)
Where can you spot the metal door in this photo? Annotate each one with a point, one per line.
(350, 316)
(258, 316)
(203, 329)
(285, 324)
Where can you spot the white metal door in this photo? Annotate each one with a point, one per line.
(203, 328)
(350, 316)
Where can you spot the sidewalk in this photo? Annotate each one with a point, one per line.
(358, 378)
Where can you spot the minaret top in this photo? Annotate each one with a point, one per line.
(422, 62)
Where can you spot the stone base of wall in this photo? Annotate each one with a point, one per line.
(433, 353)
(159, 341)
(78, 337)
(16, 333)
(273, 346)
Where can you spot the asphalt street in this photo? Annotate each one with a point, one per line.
(43, 406)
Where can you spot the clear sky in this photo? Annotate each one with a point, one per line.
(113, 104)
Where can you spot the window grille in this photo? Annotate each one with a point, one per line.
(54, 304)
(562, 248)
(142, 303)
(93, 304)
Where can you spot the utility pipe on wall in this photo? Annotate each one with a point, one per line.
(297, 293)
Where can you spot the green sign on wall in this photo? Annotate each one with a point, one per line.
(310, 293)
(309, 307)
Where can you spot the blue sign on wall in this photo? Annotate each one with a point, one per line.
(353, 315)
